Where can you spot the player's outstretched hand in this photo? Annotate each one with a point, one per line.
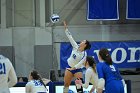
(78, 81)
(65, 25)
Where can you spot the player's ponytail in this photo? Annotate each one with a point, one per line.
(88, 45)
(41, 80)
(36, 76)
(91, 62)
(104, 54)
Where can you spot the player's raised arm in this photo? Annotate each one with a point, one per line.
(65, 25)
(73, 43)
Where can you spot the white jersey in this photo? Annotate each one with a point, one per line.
(8, 76)
(77, 58)
(90, 77)
(35, 86)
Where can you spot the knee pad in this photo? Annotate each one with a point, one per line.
(65, 89)
(79, 88)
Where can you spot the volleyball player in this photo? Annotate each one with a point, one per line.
(108, 74)
(8, 76)
(75, 61)
(35, 85)
(90, 75)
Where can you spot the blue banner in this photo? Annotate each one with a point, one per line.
(102, 10)
(133, 9)
(124, 54)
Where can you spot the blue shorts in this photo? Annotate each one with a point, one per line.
(75, 70)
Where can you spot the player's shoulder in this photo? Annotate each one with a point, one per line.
(2, 57)
(100, 63)
(89, 70)
(30, 83)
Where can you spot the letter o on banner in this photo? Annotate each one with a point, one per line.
(114, 55)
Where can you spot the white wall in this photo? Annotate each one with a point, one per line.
(43, 36)
(23, 13)
(99, 32)
(23, 42)
(5, 37)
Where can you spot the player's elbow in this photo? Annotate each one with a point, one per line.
(14, 81)
(101, 83)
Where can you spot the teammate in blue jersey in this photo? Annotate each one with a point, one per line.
(35, 85)
(75, 61)
(108, 74)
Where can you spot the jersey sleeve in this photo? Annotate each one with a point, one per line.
(28, 88)
(73, 43)
(87, 78)
(81, 63)
(12, 76)
(100, 70)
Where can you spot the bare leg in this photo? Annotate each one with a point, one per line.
(67, 80)
(78, 75)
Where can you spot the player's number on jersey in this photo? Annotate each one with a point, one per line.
(112, 68)
(37, 83)
(74, 56)
(2, 68)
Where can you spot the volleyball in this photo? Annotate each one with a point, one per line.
(54, 18)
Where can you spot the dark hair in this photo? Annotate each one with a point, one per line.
(91, 62)
(36, 76)
(104, 54)
(88, 45)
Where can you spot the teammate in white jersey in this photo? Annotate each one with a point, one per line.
(8, 76)
(75, 61)
(35, 85)
(90, 75)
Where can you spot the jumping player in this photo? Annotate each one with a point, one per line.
(109, 75)
(75, 61)
(90, 75)
(8, 76)
(35, 85)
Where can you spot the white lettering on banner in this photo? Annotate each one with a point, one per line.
(123, 56)
(97, 52)
(133, 53)
(114, 55)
